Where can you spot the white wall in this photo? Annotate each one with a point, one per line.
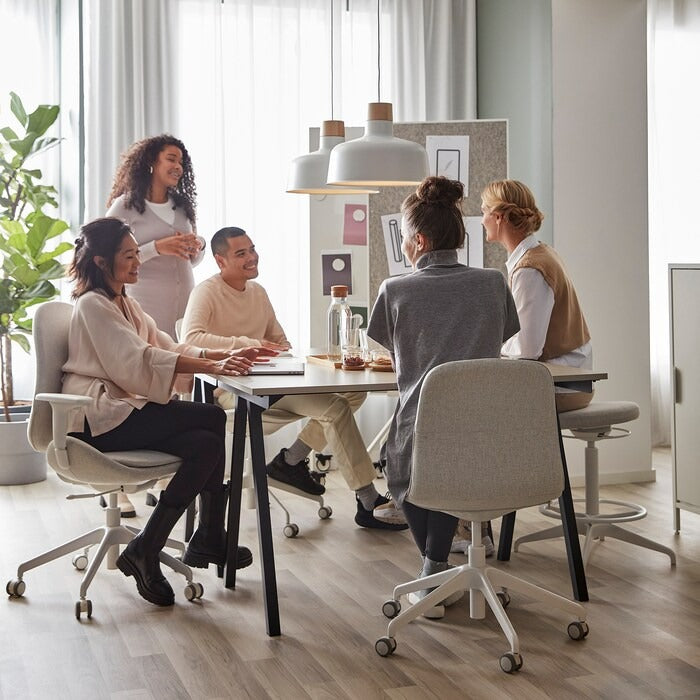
(599, 139)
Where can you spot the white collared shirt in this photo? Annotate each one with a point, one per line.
(534, 300)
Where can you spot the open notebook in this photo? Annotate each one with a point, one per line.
(279, 365)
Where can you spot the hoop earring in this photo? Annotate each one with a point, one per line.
(150, 170)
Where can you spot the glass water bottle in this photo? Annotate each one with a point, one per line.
(339, 316)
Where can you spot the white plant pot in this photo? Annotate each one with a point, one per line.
(19, 464)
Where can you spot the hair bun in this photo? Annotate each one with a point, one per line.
(440, 190)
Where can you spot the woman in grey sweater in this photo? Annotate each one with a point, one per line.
(442, 311)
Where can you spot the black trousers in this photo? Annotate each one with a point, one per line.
(432, 530)
(193, 431)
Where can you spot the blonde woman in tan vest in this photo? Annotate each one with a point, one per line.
(552, 325)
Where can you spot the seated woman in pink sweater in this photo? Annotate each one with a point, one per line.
(117, 356)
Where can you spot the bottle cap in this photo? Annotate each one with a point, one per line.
(339, 290)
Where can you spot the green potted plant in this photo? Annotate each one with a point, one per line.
(29, 252)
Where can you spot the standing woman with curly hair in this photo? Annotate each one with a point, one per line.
(154, 192)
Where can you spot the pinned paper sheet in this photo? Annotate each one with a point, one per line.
(355, 224)
(336, 267)
(449, 156)
(473, 252)
(391, 227)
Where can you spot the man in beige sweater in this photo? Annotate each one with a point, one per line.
(230, 310)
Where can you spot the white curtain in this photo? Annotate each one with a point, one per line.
(130, 84)
(29, 53)
(674, 151)
(434, 59)
(241, 82)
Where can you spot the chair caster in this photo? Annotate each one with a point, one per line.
(15, 588)
(291, 530)
(577, 630)
(83, 606)
(391, 609)
(385, 646)
(80, 561)
(510, 662)
(194, 591)
(325, 512)
(323, 462)
(504, 598)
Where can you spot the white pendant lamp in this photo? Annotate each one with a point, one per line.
(378, 159)
(309, 173)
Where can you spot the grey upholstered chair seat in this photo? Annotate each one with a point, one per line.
(599, 414)
(485, 443)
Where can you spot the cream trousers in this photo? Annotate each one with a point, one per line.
(331, 423)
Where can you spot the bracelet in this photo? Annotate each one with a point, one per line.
(203, 353)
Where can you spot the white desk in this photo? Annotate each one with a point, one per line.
(257, 393)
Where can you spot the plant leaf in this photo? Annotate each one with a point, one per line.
(41, 119)
(21, 340)
(18, 108)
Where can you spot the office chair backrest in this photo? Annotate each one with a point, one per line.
(50, 332)
(486, 439)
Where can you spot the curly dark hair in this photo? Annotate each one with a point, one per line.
(133, 176)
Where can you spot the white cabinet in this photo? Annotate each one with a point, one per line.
(684, 299)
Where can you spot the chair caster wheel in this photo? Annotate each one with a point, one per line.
(325, 512)
(83, 606)
(291, 530)
(391, 609)
(385, 646)
(80, 562)
(511, 662)
(15, 588)
(577, 630)
(323, 462)
(504, 598)
(194, 591)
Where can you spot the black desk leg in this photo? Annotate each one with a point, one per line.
(505, 540)
(267, 553)
(235, 486)
(568, 519)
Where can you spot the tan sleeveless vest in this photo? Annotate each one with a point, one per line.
(567, 326)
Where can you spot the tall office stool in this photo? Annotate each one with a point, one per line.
(481, 450)
(76, 462)
(598, 421)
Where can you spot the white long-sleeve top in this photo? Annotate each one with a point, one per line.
(165, 281)
(122, 362)
(534, 300)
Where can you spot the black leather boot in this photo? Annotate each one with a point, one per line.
(140, 557)
(208, 543)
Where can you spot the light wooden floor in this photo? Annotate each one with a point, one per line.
(644, 616)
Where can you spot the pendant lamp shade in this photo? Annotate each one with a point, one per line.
(309, 173)
(378, 158)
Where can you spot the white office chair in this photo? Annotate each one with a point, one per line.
(76, 462)
(485, 444)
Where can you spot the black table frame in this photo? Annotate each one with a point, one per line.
(249, 410)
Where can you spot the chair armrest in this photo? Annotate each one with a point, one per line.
(61, 406)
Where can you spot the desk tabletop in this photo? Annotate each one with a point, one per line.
(318, 379)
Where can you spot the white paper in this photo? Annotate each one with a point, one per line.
(391, 227)
(473, 252)
(449, 156)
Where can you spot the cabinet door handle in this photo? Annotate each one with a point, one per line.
(676, 385)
